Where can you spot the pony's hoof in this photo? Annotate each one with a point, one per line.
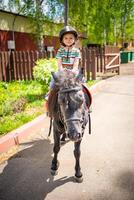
(79, 179)
(54, 172)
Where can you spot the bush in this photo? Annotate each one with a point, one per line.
(42, 70)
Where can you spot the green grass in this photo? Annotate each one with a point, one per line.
(20, 102)
(92, 82)
(9, 123)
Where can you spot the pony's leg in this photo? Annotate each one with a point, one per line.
(77, 152)
(56, 149)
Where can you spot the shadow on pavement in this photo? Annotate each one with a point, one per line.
(125, 183)
(27, 174)
(121, 188)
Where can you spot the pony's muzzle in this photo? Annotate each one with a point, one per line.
(74, 131)
(75, 137)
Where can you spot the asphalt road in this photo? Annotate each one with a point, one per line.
(107, 155)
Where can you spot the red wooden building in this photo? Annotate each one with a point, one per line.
(17, 27)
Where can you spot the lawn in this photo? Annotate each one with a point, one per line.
(20, 102)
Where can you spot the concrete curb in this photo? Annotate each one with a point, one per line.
(15, 137)
(94, 89)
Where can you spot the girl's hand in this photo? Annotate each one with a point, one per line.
(75, 72)
(70, 71)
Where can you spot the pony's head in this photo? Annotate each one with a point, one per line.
(71, 102)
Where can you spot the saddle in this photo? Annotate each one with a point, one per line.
(88, 96)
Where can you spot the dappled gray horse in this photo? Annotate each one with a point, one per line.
(69, 109)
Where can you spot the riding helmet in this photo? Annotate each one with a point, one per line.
(68, 29)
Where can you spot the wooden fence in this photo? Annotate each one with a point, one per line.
(100, 60)
(92, 61)
(18, 65)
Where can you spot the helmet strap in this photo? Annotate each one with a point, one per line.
(67, 53)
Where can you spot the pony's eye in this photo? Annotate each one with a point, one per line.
(80, 94)
(80, 97)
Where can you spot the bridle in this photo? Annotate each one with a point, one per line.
(68, 90)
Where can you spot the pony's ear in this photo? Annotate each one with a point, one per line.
(54, 76)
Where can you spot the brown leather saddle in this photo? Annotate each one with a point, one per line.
(88, 96)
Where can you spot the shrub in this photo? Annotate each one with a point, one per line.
(42, 70)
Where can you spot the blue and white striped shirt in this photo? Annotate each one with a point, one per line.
(68, 57)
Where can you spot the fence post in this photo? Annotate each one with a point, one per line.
(3, 67)
(7, 63)
(101, 59)
(93, 66)
(83, 61)
(87, 64)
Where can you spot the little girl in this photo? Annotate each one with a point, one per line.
(67, 56)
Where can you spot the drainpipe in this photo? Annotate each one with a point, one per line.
(13, 36)
(13, 24)
(66, 12)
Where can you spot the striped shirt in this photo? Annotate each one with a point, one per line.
(68, 58)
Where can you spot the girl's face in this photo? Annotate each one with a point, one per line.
(68, 39)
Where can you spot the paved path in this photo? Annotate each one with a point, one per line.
(127, 68)
(107, 159)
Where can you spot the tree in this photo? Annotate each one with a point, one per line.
(105, 22)
(126, 16)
